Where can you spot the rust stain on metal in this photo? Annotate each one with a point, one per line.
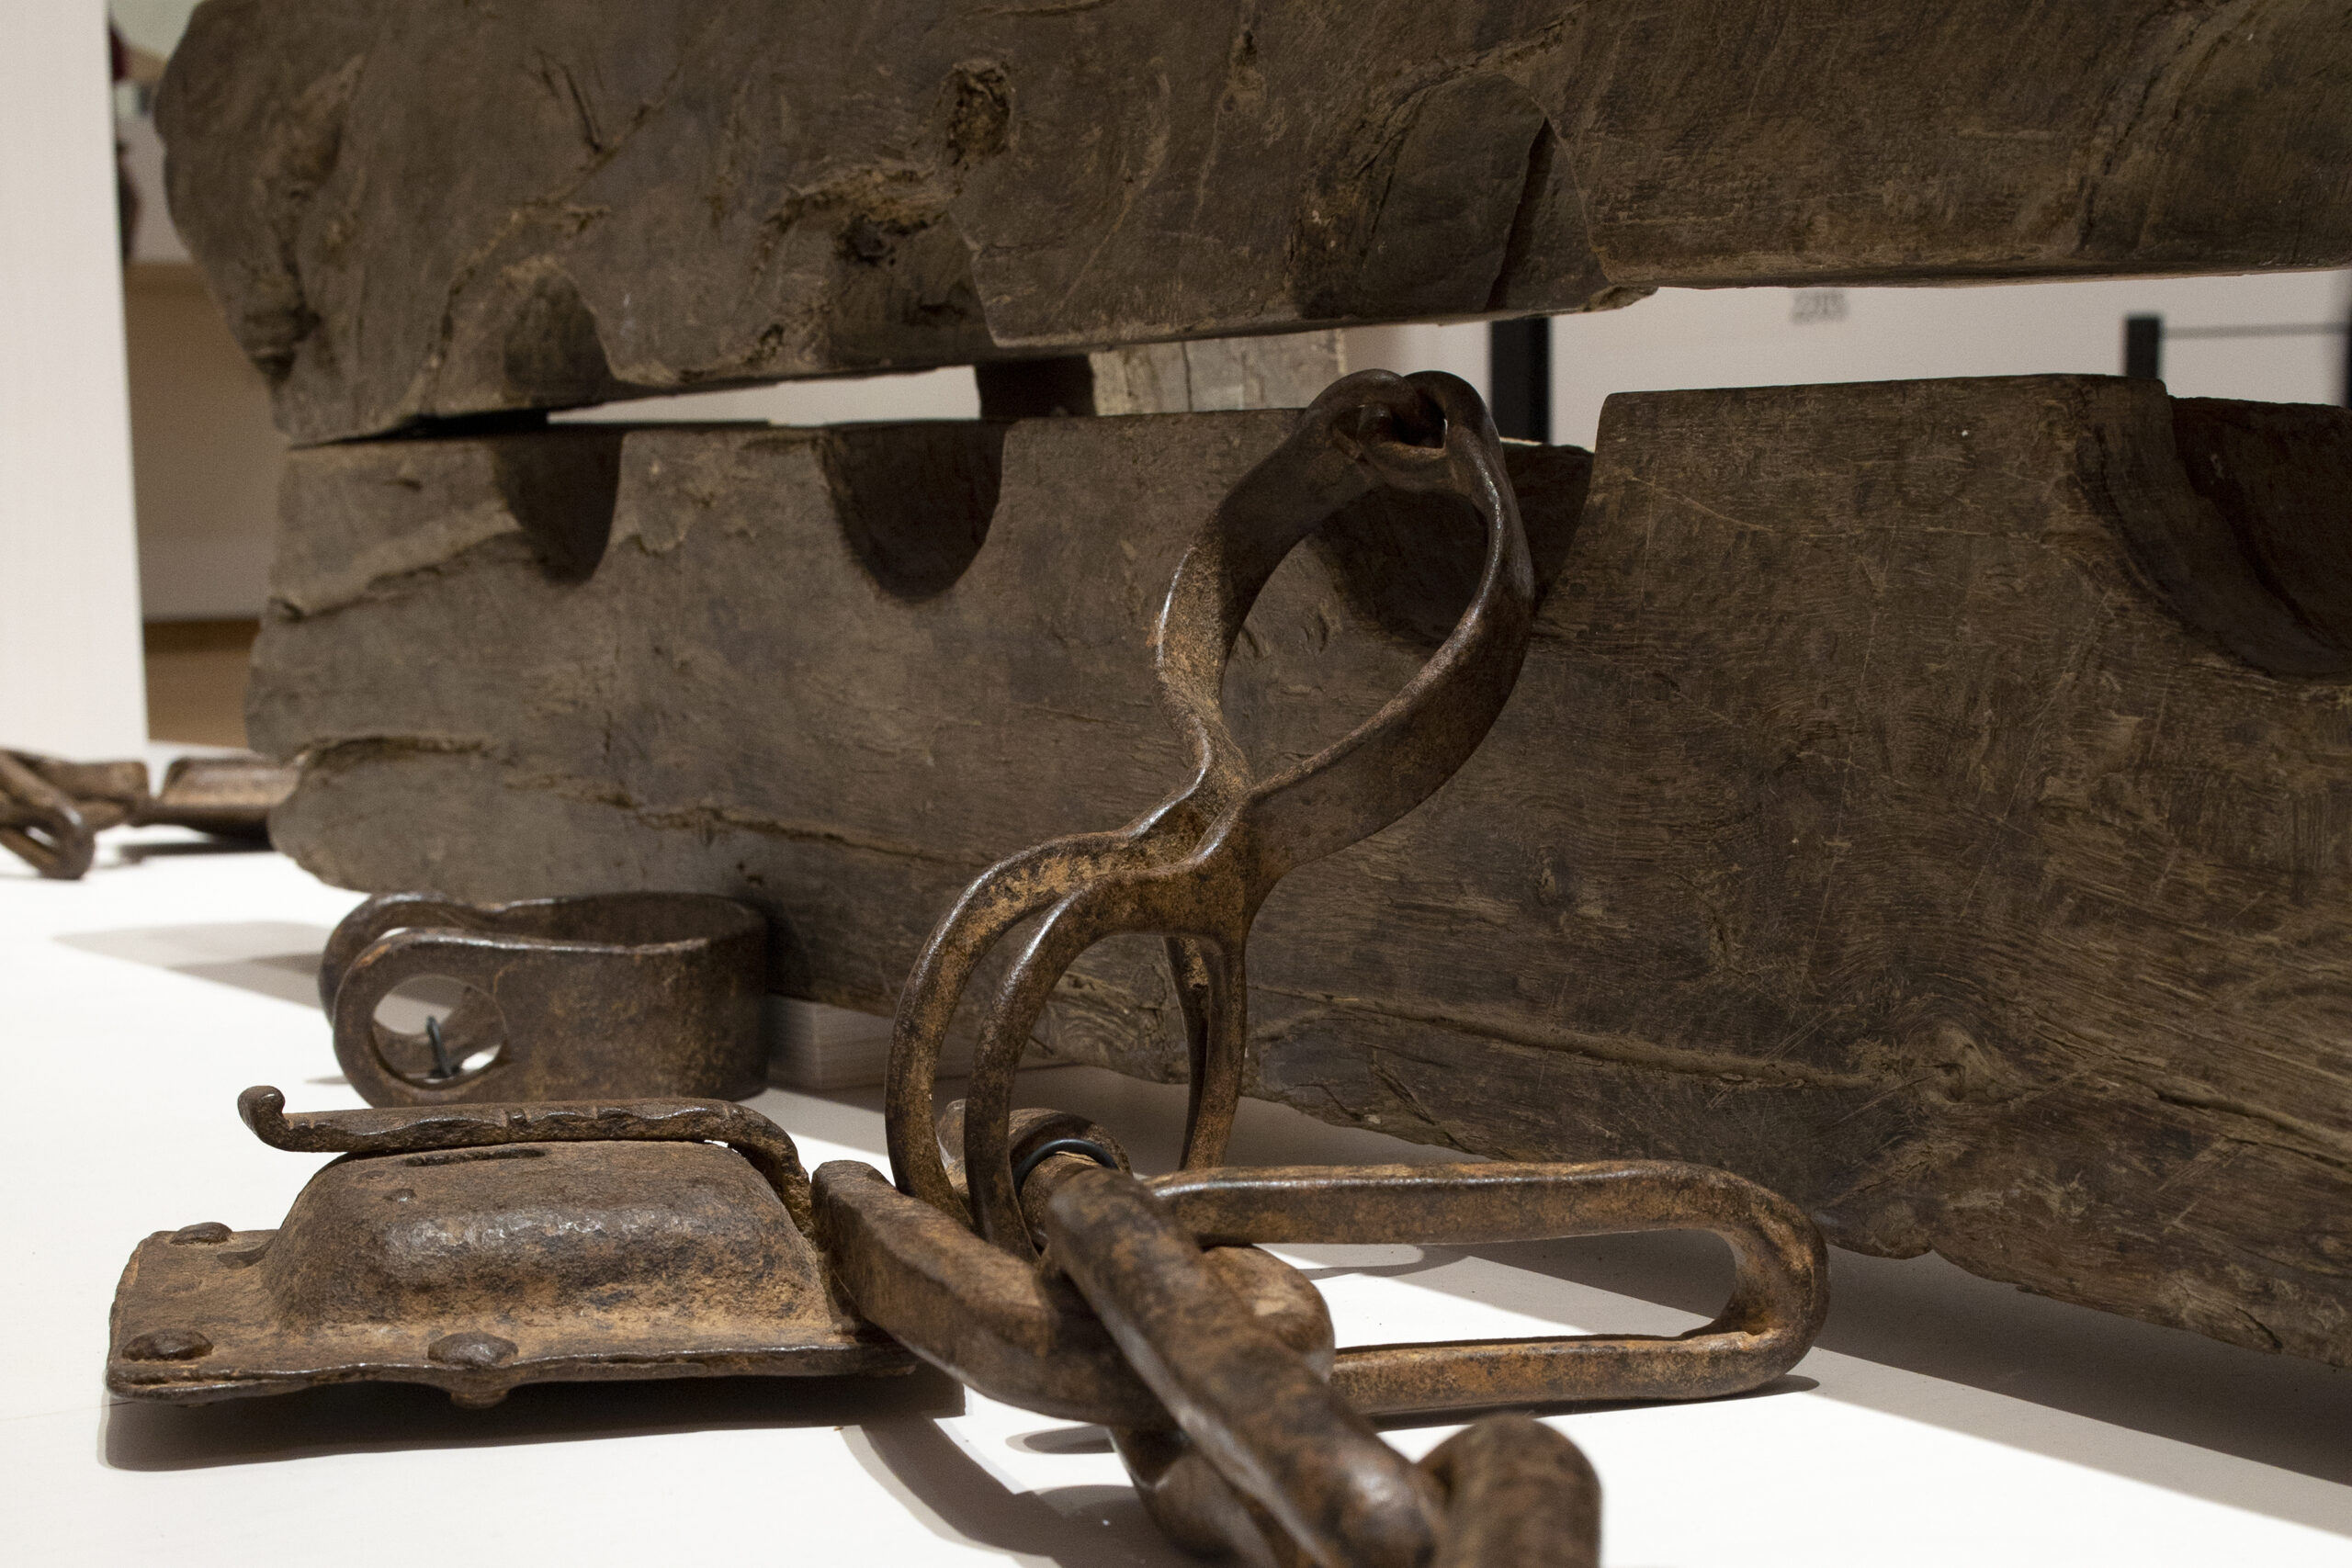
(1269, 1455)
(1779, 1298)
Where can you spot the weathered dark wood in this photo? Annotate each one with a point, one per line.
(1863, 822)
(429, 208)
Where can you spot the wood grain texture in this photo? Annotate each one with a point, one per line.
(1866, 821)
(429, 209)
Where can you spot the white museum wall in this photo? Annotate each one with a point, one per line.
(206, 455)
(71, 678)
(1763, 337)
(1459, 349)
(924, 394)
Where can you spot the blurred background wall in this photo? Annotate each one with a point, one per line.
(70, 676)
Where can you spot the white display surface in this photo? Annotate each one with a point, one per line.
(1944, 1420)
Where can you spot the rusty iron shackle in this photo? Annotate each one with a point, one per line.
(52, 810)
(1242, 1423)
(1269, 1444)
(42, 823)
(1195, 869)
(626, 994)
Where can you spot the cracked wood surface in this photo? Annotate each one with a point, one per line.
(418, 208)
(1883, 814)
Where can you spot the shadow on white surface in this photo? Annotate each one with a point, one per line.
(1064, 1440)
(379, 1417)
(123, 848)
(1928, 1316)
(140, 850)
(276, 958)
(957, 1497)
(2112, 1382)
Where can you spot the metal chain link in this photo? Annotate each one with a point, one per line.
(1213, 1363)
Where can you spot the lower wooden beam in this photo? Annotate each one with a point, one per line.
(1929, 798)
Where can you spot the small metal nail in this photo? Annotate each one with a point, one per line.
(167, 1345)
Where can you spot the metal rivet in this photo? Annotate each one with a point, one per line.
(167, 1345)
(471, 1350)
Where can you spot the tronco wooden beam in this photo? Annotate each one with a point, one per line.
(1930, 799)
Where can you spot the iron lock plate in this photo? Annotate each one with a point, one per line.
(623, 1243)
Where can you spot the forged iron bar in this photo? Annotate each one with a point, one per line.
(1280, 1435)
(43, 824)
(1266, 1441)
(1016, 1333)
(1517, 1493)
(1779, 1294)
(229, 796)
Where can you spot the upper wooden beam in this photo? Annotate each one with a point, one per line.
(434, 209)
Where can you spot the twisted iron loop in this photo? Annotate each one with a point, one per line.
(1195, 869)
